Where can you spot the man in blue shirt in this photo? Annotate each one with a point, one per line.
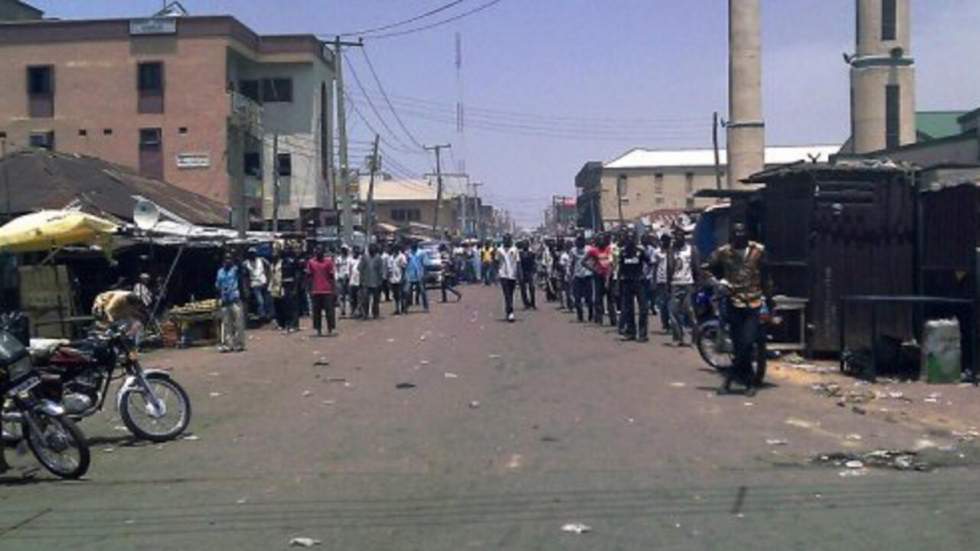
(415, 278)
(228, 285)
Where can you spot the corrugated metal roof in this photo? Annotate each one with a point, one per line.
(41, 179)
(934, 125)
(776, 155)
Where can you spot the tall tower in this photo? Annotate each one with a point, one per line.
(882, 77)
(746, 129)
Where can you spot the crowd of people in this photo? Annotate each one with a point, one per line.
(620, 279)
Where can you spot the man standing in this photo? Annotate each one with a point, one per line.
(449, 274)
(528, 271)
(227, 283)
(371, 269)
(661, 289)
(396, 272)
(415, 279)
(681, 264)
(742, 266)
(599, 260)
(489, 261)
(343, 267)
(508, 262)
(582, 279)
(632, 262)
(320, 271)
(385, 285)
(356, 310)
(258, 275)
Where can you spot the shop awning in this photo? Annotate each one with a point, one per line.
(50, 229)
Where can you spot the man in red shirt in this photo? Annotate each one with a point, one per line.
(320, 271)
(600, 260)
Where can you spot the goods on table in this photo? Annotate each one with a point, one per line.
(198, 307)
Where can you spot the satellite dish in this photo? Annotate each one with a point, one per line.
(146, 215)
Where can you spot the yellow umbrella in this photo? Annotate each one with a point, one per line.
(50, 229)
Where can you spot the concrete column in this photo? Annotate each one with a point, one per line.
(746, 129)
(880, 62)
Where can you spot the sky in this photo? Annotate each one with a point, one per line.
(549, 85)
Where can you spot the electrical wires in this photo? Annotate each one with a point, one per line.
(388, 101)
(406, 21)
(467, 13)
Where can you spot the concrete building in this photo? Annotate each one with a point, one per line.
(882, 78)
(410, 205)
(15, 10)
(642, 182)
(195, 101)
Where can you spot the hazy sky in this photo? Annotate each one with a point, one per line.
(581, 80)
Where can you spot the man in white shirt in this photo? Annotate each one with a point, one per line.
(661, 286)
(508, 262)
(681, 262)
(343, 265)
(258, 277)
(385, 284)
(396, 270)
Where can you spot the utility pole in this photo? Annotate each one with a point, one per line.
(435, 217)
(370, 197)
(464, 198)
(275, 182)
(478, 208)
(3, 173)
(714, 140)
(620, 184)
(346, 219)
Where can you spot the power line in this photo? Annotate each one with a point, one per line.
(437, 23)
(406, 21)
(374, 109)
(388, 101)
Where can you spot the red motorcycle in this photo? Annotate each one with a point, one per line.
(152, 405)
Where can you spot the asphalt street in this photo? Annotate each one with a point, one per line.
(456, 430)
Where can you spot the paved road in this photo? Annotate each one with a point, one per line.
(510, 431)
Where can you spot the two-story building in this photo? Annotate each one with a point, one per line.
(202, 102)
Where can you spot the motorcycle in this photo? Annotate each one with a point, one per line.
(42, 424)
(713, 338)
(152, 405)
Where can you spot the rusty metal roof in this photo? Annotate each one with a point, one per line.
(35, 179)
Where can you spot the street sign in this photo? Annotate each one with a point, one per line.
(153, 25)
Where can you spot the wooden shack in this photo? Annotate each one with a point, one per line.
(833, 230)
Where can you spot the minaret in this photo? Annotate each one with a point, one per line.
(746, 129)
(882, 77)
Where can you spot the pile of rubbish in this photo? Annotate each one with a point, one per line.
(899, 460)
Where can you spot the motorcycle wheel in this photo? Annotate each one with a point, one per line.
(61, 447)
(136, 413)
(707, 338)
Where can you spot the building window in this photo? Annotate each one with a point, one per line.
(151, 153)
(149, 83)
(659, 201)
(689, 182)
(893, 102)
(43, 140)
(253, 164)
(107, 131)
(40, 92)
(277, 90)
(284, 164)
(82, 132)
(889, 19)
(658, 184)
(182, 130)
(622, 185)
(406, 215)
(249, 89)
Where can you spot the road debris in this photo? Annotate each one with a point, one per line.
(108, 450)
(304, 542)
(853, 472)
(899, 460)
(307, 393)
(191, 437)
(494, 356)
(474, 404)
(776, 442)
(215, 395)
(576, 528)
(450, 375)
(322, 362)
(403, 386)
(328, 402)
(853, 436)
(424, 362)
(678, 384)
(337, 380)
